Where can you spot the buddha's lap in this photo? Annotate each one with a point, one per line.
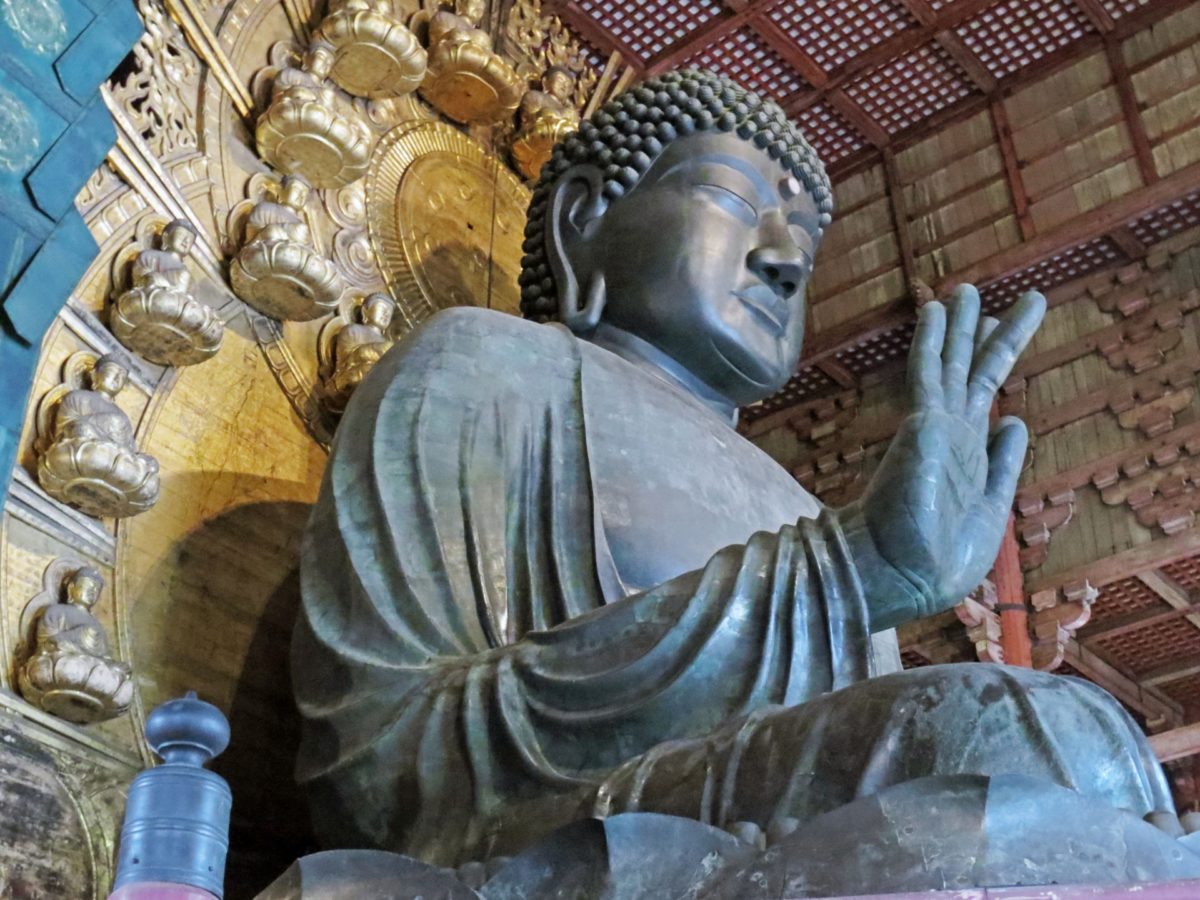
(978, 719)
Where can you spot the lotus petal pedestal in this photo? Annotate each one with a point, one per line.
(375, 54)
(286, 280)
(167, 327)
(302, 137)
(471, 85)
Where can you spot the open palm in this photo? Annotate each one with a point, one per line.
(929, 525)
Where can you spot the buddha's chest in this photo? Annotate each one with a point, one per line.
(674, 484)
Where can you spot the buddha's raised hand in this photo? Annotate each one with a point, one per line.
(930, 523)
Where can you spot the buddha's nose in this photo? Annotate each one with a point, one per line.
(780, 267)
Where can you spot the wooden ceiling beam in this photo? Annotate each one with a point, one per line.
(791, 53)
(859, 330)
(1079, 230)
(1169, 592)
(1012, 168)
(957, 49)
(1100, 17)
(974, 103)
(926, 15)
(1083, 228)
(839, 373)
(1177, 743)
(908, 39)
(852, 112)
(900, 217)
(1172, 671)
(1134, 621)
(1126, 563)
(1124, 238)
(710, 32)
(1158, 709)
(1133, 115)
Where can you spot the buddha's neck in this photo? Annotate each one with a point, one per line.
(646, 356)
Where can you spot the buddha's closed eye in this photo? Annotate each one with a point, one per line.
(731, 201)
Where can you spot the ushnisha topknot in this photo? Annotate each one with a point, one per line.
(630, 131)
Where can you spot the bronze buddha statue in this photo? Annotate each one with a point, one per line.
(69, 672)
(546, 579)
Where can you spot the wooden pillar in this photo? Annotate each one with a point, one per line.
(1010, 601)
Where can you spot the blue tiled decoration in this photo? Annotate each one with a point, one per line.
(54, 132)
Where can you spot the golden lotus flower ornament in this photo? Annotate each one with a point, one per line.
(308, 130)
(375, 53)
(158, 317)
(65, 666)
(278, 271)
(90, 460)
(467, 80)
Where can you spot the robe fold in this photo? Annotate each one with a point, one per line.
(467, 657)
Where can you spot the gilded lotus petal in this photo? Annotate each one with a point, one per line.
(376, 56)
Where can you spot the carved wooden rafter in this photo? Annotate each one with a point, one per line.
(979, 616)
(1057, 615)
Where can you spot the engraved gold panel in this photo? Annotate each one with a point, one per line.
(447, 221)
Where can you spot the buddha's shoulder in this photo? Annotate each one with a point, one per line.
(473, 354)
(489, 338)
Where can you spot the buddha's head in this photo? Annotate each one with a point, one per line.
(109, 375)
(294, 191)
(559, 83)
(687, 213)
(471, 10)
(377, 310)
(179, 237)
(84, 587)
(318, 59)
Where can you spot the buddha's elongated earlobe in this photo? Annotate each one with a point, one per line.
(576, 205)
(584, 318)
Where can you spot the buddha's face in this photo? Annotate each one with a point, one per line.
(319, 61)
(109, 377)
(377, 311)
(179, 239)
(84, 589)
(559, 84)
(295, 193)
(707, 259)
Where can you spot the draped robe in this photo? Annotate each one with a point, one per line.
(487, 650)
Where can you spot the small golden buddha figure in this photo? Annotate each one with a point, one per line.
(308, 130)
(91, 461)
(375, 53)
(70, 673)
(278, 270)
(547, 117)
(158, 317)
(467, 80)
(356, 349)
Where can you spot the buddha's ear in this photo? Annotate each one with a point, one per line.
(576, 205)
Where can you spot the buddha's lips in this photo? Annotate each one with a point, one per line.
(761, 301)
